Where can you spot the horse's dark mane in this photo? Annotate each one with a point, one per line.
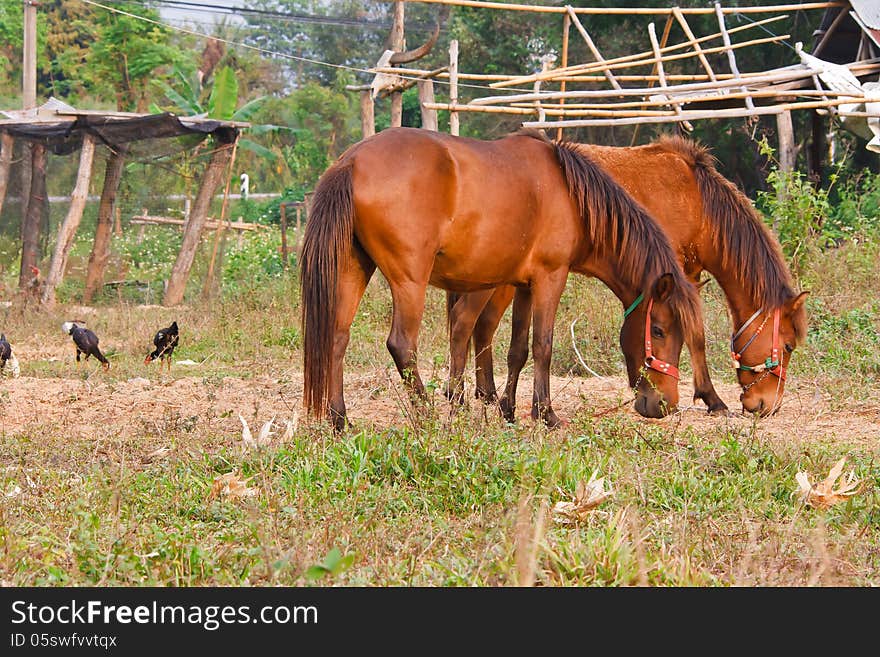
(618, 225)
(746, 244)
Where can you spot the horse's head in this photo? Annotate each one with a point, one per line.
(651, 339)
(761, 349)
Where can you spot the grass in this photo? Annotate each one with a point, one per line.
(433, 500)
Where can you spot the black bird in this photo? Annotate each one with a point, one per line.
(5, 350)
(165, 341)
(86, 342)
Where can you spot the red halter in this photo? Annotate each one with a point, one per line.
(773, 365)
(651, 361)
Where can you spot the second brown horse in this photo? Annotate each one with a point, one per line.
(468, 215)
(713, 227)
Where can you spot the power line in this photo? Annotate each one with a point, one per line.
(245, 12)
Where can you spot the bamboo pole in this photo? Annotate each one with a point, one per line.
(592, 46)
(566, 28)
(415, 74)
(652, 34)
(67, 231)
(731, 58)
(453, 86)
(692, 40)
(779, 76)
(666, 29)
(595, 68)
(708, 114)
(580, 68)
(640, 11)
(398, 44)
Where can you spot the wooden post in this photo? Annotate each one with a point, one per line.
(30, 225)
(29, 100)
(453, 86)
(398, 44)
(117, 228)
(7, 144)
(283, 235)
(101, 247)
(67, 231)
(592, 47)
(212, 177)
(426, 95)
(208, 285)
(566, 28)
(368, 116)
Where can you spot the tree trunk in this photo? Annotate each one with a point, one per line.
(7, 143)
(30, 225)
(192, 233)
(71, 222)
(101, 247)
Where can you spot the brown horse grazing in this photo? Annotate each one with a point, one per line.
(469, 215)
(714, 227)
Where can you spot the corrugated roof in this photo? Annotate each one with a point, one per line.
(868, 11)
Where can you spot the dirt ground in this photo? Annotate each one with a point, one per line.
(98, 408)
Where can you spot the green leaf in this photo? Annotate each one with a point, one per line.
(255, 148)
(250, 108)
(181, 102)
(224, 94)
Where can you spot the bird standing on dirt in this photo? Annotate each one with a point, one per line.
(86, 342)
(6, 355)
(165, 341)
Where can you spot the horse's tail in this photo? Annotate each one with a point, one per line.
(327, 243)
(737, 231)
(618, 225)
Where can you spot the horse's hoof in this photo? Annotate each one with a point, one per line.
(719, 410)
(486, 398)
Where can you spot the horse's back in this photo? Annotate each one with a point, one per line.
(480, 209)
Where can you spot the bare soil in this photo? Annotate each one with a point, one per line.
(98, 407)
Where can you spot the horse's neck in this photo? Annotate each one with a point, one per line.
(608, 274)
(738, 301)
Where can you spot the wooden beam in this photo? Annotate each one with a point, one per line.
(693, 41)
(426, 97)
(220, 234)
(71, 222)
(368, 116)
(101, 246)
(192, 234)
(7, 144)
(32, 212)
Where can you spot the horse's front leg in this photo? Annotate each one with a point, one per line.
(703, 388)
(546, 292)
(484, 333)
(462, 319)
(518, 352)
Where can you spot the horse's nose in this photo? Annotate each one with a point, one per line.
(759, 407)
(654, 407)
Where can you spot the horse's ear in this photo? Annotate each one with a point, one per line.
(663, 287)
(798, 301)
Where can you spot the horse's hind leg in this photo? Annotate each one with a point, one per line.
(352, 282)
(518, 352)
(484, 333)
(461, 322)
(403, 340)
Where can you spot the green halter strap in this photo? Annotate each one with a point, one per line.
(634, 305)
